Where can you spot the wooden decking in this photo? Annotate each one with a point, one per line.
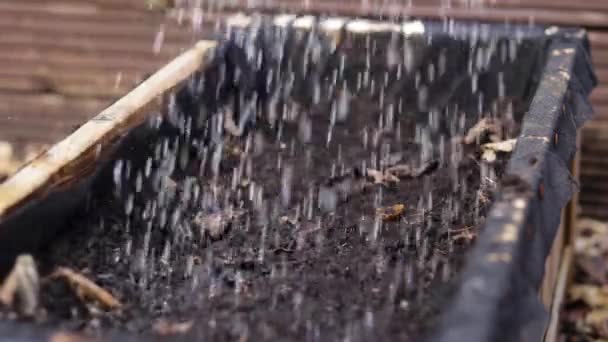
(61, 62)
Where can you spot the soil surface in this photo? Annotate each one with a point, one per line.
(343, 213)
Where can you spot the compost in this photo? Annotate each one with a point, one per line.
(298, 189)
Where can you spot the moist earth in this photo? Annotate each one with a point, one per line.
(343, 213)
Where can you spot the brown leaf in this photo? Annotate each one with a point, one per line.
(598, 320)
(594, 296)
(392, 213)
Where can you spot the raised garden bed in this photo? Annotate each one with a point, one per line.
(324, 181)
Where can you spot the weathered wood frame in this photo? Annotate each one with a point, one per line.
(75, 156)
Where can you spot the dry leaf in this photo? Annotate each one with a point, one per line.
(164, 327)
(598, 320)
(380, 177)
(86, 288)
(392, 213)
(594, 296)
(490, 149)
(592, 240)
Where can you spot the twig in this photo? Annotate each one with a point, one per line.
(394, 173)
(87, 288)
(164, 327)
(463, 234)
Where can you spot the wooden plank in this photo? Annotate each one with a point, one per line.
(561, 286)
(22, 84)
(52, 58)
(79, 7)
(573, 208)
(75, 26)
(591, 161)
(588, 5)
(562, 238)
(76, 87)
(355, 9)
(76, 154)
(597, 211)
(593, 184)
(12, 101)
(553, 261)
(93, 45)
(599, 94)
(600, 199)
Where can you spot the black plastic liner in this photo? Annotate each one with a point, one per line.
(498, 295)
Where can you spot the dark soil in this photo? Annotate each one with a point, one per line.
(303, 252)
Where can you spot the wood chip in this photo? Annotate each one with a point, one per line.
(23, 282)
(392, 213)
(86, 288)
(164, 327)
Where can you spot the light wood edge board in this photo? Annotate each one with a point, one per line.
(71, 157)
(561, 286)
(561, 254)
(333, 27)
